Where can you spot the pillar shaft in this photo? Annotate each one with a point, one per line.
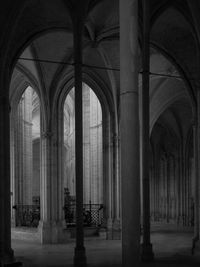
(79, 257)
(196, 152)
(88, 159)
(146, 246)
(45, 189)
(116, 193)
(6, 253)
(196, 196)
(196, 146)
(197, 172)
(51, 221)
(129, 129)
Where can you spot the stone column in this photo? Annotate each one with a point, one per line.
(168, 175)
(183, 186)
(174, 190)
(86, 148)
(180, 186)
(19, 156)
(178, 162)
(12, 168)
(108, 178)
(51, 214)
(45, 189)
(27, 146)
(129, 130)
(196, 184)
(6, 252)
(162, 187)
(147, 253)
(78, 23)
(196, 146)
(157, 176)
(116, 193)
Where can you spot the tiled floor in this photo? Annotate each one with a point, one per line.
(171, 249)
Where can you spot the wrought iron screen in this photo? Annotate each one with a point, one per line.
(27, 215)
(92, 214)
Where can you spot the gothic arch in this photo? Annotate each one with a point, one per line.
(110, 175)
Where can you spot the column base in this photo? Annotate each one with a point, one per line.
(57, 232)
(8, 257)
(80, 259)
(9, 260)
(113, 229)
(102, 233)
(147, 252)
(195, 246)
(44, 229)
(109, 229)
(51, 232)
(116, 230)
(180, 220)
(13, 222)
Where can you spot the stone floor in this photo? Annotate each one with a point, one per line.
(172, 247)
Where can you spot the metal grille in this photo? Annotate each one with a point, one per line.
(92, 214)
(27, 215)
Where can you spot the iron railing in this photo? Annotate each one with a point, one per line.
(92, 214)
(27, 215)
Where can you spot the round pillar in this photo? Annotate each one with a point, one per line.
(129, 133)
(147, 253)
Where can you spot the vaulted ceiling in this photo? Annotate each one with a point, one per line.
(44, 32)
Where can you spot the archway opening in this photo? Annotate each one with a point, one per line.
(92, 159)
(172, 177)
(25, 160)
(171, 173)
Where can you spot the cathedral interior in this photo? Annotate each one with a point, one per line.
(100, 133)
